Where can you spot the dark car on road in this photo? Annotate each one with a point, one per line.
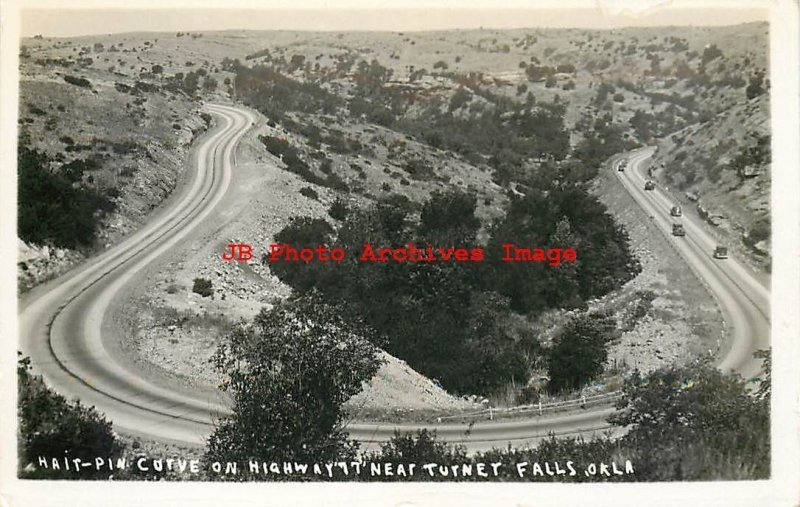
(649, 185)
(675, 211)
(678, 230)
(721, 252)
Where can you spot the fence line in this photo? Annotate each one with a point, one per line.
(538, 407)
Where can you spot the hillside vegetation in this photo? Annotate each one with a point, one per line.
(102, 141)
(469, 138)
(506, 100)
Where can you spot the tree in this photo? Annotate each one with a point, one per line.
(448, 218)
(190, 82)
(643, 124)
(695, 422)
(296, 62)
(289, 373)
(710, 53)
(338, 209)
(53, 428)
(579, 351)
(604, 259)
(209, 84)
(565, 279)
(494, 355)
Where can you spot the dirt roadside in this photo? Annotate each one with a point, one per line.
(666, 313)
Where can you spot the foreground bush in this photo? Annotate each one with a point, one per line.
(51, 427)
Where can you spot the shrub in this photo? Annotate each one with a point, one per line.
(755, 86)
(203, 286)
(54, 428)
(326, 166)
(696, 423)
(682, 424)
(78, 81)
(310, 193)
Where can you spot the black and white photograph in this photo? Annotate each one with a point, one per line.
(485, 251)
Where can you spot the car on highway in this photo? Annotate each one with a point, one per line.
(678, 230)
(675, 211)
(622, 165)
(721, 252)
(649, 185)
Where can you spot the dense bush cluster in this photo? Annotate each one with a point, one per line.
(683, 423)
(272, 93)
(448, 319)
(56, 206)
(291, 157)
(562, 218)
(507, 134)
(495, 132)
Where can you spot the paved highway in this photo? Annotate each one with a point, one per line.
(62, 322)
(741, 294)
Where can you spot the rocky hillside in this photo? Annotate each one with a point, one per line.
(721, 169)
(119, 111)
(98, 120)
